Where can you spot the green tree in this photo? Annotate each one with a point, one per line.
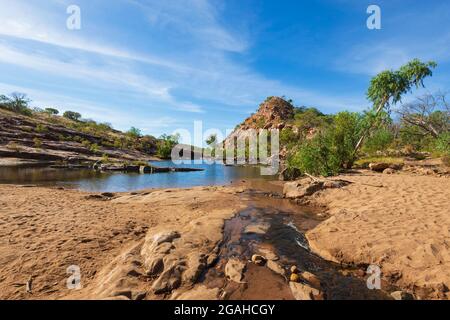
(134, 133)
(17, 102)
(166, 144)
(211, 140)
(72, 115)
(388, 87)
(51, 111)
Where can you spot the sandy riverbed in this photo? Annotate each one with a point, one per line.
(400, 222)
(43, 231)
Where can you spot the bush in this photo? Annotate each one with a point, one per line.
(378, 141)
(94, 148)
(40, 128)
(17, 103)
(71, 115)
(442, 144)
(165, 145)
(331, 149)
(288, 137)
(37, 143)
(51, 111)
(315, 157)
(134, 133)
(345, 135)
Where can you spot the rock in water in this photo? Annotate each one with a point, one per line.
(234, 270)
(258, 260)
(294, 277)
(311, 279)
(275, 267)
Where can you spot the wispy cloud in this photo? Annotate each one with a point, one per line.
(184, 59)
(120, 117)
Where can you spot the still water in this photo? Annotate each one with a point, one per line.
(93, 181)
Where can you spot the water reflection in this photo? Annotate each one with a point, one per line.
(93, 181)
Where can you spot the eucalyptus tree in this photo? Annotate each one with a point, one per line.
(387, 88)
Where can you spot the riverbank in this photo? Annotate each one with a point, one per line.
(176, 243)
(400, 222)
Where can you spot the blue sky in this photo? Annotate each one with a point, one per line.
(161, 65)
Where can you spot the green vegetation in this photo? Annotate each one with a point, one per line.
(95, 135)
(325, 144)
(71, 115)
(364, 162)
(40, 128)
(17, 102)
(51, 111)
(166, 144)
(37, 143)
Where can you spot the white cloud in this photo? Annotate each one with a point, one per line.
(201, 71)
(121, 118)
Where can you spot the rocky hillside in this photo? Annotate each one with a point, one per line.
(44, 138)
(274, 113)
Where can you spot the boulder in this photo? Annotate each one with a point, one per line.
(298, 190)
(169, 280)
(268, 254)
(389, 171)
(276, 267)
(234, 270)
(258, 260)
(378, 166)
(302, 291)
(401, 295)
(289, 174)
(312, 279)
(294, 277)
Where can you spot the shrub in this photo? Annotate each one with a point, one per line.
(166, 144)
(40, 128)
(288, 137)
(315, 157)
(71, 115)
(37, 143)
(18, 102)
(51, 111)
(379, 140)
(442, 144)
(94, 148)
(345, 136)
(331, 149)
(134, 133)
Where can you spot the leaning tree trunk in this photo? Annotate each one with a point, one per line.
(367, 130)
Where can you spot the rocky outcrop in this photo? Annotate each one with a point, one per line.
(234, 270)
(274, 113)
(304, 188)
(302, 291)
(48, 139)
